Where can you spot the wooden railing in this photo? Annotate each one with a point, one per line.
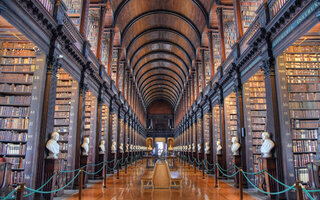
(275, 6)
(47, 4)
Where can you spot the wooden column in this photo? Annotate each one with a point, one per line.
(47, 115)
(103, 10)
(211, 53)
(203, 64)
(210, 112)
(123, 77)
(197, 78)
(222, 130)
(118, 67)
(125, 136)
(193, 82)
(98, 129)
(84, 17)
(80, 121)
(118, 132)
(202, 134)
(238, 20)
(110, 48)
(273, 125)
(109, 141)
(221, 34)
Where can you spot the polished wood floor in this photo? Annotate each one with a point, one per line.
(128, 187)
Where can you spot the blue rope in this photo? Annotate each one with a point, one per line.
(9, 196)
(225, 170)
(227, 174)
(307, 193)
(54, 191)
(277, 180)
(271, 193)
(94, 173)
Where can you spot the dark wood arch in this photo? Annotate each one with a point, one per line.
(145, 84)
(150, 90)
(167, 75)
(165, 82)
(160, 94)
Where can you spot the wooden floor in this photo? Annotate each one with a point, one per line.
(128, 187)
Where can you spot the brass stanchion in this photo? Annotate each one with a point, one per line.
(20, 190)
(299, 190)
(240, 183)
(105, 176)
(202, 169)
(118, 169)
(216, 175)
(80, 183)
(126, 167)
(194, 166)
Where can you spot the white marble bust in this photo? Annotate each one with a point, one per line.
(131, 148)
(121, 147)
(170, 148)
(189, 148)
(53, 146)
(102, 147)
(267, 145)
(114, 147)
(127, 148)
(207, 148)
(235, 146)
(199, 148)
(193, 148)
(85, 146)
(219, 148)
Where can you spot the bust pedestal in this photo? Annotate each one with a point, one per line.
(99, 176)
(221, 163)
(237, 161)
(51, 165)
(83, 162)
(111, 164)
(210, 160)
(269, 164)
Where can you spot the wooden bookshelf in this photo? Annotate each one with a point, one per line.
(17, 71)
(216, 51)
(93, 28)
(206, 124)
(74, 11)
(216, 125)
(207, 65)
(248, 12)
(229, 28)
(89, 126)
(299, 73)
(231, 129)
(254, 93)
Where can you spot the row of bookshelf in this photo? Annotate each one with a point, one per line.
(17, 163)
(300, 160)
(305, 123)
(17, 52)
(16, 45)
(14, 111)
(14, 123)
(302, 134)
(15, 100)
(12, 149)
(21, 60)
(13, 136)
(13, 88)
(18, 68)
(304, 146)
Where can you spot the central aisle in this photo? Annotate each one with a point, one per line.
(128, 187)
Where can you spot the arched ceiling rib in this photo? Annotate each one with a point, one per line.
(161, 39)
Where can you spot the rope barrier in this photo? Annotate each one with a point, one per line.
(9, 196)
(307, 192)
(57, 190)
(271, 193)
(229, 176)
(225, 170)
(94, 173)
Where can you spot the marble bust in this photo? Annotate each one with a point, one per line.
(150, 147)
(102, 147)
(127, 148)
(267, 145)
(85, 146)
(193, 148)
(131, 148)
(53, 146)
(170, 148)
(121, 147)
(189, 148)
(114, 147)
(235, 146)
(219, 148)
(207, 148)
(199, 148)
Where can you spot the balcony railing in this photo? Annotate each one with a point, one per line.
(275, 6)
(47, 4)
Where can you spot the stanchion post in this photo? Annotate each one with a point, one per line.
(202, 169)
(240, 183)
(299, 190)
(126, 167)
(20, 191)
(118, 169)
(189, 163)
(216, 175)
(194, 166)
(80, 183)
(105, 176)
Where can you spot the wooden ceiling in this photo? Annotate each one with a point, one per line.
(161, 39)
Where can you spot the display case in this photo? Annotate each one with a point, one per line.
(254, 93)
(299, 77)
(231, 129)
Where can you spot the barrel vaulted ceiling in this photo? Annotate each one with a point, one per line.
(161, 39)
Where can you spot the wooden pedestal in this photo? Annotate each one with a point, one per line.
(99, 176)
(237, 161)
(111, 165)
(83, 162)
(210, 160)
(222, 165)
(51, 166)
(269, 164)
